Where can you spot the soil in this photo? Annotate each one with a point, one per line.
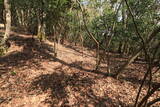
(32, 75)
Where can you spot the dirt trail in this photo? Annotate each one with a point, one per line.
(30, 76)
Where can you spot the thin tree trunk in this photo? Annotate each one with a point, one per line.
(91, 35)
(41, 28)
(19, 17)
(120, 48)
(8, 21)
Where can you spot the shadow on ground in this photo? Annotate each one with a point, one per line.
(71, 90)
(34, 52)
(58, 83)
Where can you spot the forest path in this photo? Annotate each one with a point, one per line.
(30, 75)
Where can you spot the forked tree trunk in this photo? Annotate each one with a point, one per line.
(8, 21)
(91, 36)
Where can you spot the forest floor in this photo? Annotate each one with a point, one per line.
(30, 76)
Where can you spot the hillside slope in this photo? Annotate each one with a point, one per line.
(30, 75)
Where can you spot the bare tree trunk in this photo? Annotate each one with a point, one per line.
(120, 48)
(54, 39)
(18, 16)
(8, 21)
(41, 27)
(41, 23)
(82, 43)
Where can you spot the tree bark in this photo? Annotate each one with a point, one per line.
(8, 21)
(41, 26)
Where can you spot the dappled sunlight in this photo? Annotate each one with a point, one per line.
(79, 53)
